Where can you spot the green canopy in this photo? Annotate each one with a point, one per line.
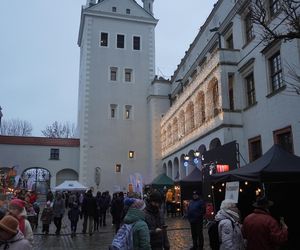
(162, 180)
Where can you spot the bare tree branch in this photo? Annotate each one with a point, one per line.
(16, 127)
(60, 130)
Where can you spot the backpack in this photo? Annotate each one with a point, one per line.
(213, 234)
(123, 240)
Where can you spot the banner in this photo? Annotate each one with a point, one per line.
(232, 191)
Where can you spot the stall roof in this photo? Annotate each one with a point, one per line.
(162, 180)
(276, 165)
(70, 186)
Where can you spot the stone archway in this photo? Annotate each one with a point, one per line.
(37, 179)
(66, 175)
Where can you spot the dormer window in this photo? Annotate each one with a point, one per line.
(127, 11)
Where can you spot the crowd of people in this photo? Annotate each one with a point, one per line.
(259, 230)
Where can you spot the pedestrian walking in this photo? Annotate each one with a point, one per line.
(73, 215)
(195, 214)
(58, 212)
(156, 223)
(136, 216)
(46, 217)
(229, 227)
(98, 218)
(10, 236)
(116, 209)
(88, 212)
(261, 230)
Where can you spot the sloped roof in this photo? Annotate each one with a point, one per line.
(276, 165)
(194, 176)
(71, 186)
(162, 179)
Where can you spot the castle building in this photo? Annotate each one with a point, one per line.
(231, 91)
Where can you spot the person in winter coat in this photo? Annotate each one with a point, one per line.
(230, 234)
(17, 209)
(195, 214)
(116, 209)
(88, 210)
(46, 217)
(141, 236)
(58, 212)
(261, 230)
(73, 215)
(156, 223)
(10, 237)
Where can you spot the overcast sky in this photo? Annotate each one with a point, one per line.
(39, 56)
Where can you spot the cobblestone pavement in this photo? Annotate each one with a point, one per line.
(178, 232)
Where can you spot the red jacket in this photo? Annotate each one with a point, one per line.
(262, 231)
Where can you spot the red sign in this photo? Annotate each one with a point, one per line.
(222, 168)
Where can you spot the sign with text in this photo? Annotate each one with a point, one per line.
(232, 191)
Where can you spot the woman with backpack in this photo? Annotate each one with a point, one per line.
(229, 227)
(134, 233)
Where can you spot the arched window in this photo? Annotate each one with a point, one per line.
(213, 98)
(169, 135)
(181, 124)
(200, 104)
(190, 122)
(175, 130)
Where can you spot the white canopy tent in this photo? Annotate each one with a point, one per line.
(70, 186)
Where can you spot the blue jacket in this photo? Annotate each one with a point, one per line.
(196, 211)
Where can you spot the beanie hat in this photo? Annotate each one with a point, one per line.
(138, 204)
(9, 224)
(129, 201)
(17, 202)
(155, 196)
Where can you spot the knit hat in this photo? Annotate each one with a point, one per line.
(48, 203)
(129, 201)
(9, 224)
(138, 204)
(263, 202)
(17, 202)
(228, 203)
(155, 196)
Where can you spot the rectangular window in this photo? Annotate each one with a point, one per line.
(54, 154)
(113, 73)
(229, 42)
(114, 9)
(248, 27)
(118, 168)
(284, 138)
(275, 72)
(274, 7)
(255, 150)
(136, 43)
(128, 11)
(128, 111)
(131, 154)
(250, 89)
(113, 111)
(128, 75)
(104, 39)
(120, 41)
(230, 91)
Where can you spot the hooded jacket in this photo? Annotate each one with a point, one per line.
(229, 229)
(16, 243)
(262, 231)
(141, 236)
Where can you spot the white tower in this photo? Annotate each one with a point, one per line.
(117, 65)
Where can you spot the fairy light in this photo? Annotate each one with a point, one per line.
(246, 182)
